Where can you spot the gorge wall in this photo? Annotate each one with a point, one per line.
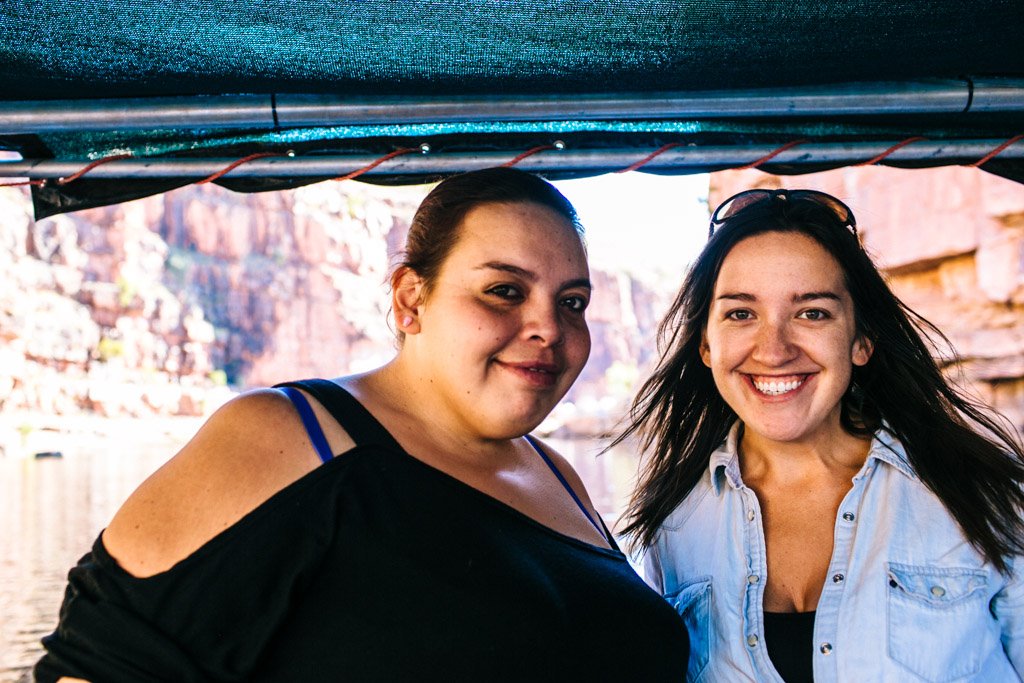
(166, 305)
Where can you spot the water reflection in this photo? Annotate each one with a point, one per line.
(52, 509)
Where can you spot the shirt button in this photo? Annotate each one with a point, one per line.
(838, 578)
(754, 578)
(750, 515)
(826, 648)
(849, 516)
(752, 640)
(938, 591)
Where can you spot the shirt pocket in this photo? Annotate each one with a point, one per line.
(693, 602)
(937, 620)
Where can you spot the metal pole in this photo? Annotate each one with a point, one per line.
(258, 111)
(683, 159)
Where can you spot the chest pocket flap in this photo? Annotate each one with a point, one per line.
(939, 623)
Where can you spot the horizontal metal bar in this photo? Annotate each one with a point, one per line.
(683, 158)
(258, 111)
(996, 95)
(872, 98)
(214, 111)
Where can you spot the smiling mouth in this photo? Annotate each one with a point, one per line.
(543, 374)
(777, 386)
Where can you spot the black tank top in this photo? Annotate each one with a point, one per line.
(789, 637)
(373, 567)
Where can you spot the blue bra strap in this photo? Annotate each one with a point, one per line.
(309, 421)
(565, 484)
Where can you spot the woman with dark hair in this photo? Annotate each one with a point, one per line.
(399, 525)
(818, 502)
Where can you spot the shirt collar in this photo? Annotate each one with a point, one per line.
(887, 448)
(724, 466)
(725, 462)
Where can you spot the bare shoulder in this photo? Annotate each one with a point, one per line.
(567, 470)
(251, 448)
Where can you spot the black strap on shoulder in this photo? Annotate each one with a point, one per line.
(360, 424)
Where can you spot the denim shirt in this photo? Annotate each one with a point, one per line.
(906, 596)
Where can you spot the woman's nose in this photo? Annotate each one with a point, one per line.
(543, 323)
(773, 346)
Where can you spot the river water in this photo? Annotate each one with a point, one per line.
(51, 510)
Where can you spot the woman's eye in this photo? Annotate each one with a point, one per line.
(505, 292)
(576, 304)
(815, 314)
(740, 314)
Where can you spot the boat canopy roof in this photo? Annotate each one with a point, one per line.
(104, 102)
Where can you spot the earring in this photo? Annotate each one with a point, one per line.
(406, 321)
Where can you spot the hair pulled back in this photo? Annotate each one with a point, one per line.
(435, 226)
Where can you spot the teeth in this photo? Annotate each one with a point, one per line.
(776, 388)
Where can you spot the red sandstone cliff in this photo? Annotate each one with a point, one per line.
(149, 307)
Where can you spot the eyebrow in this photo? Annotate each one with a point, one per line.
(530, 275)
(797, 298)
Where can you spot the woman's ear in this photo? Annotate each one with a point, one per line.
(705, 350)
(407, 290)
(862, 350)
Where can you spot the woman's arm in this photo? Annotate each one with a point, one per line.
(125, 617)
(248, 450)
(1008, 607)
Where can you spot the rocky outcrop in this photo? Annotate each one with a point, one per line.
(951, 242)
(165, 305)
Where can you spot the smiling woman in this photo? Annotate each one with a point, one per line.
(781, 339)
(374, 527)
(819, 503)
(499, 287)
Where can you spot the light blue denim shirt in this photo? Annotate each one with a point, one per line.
(906, 597)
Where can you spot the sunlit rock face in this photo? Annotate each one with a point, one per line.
(951, 242)
(292, 283)
(153, 306)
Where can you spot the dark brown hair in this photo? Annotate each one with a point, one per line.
(965, 453)
(435, 226)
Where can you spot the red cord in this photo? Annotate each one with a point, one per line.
(378, 162)
(875, 160)
(99, 162)
(527, 153)
(650, 157)
(22, 183)
(230, 167)
(996, 151)
(530, 152)
(768, 157)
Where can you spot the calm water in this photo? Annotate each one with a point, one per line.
(51, 510)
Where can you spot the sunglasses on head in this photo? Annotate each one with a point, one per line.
(748, 198)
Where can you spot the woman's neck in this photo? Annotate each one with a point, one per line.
(405, 402)
(832, 453)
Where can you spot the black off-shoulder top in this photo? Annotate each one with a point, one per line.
(372, 567)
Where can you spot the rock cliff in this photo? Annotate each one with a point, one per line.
(165, 305)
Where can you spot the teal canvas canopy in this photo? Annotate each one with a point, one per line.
(103, 102)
